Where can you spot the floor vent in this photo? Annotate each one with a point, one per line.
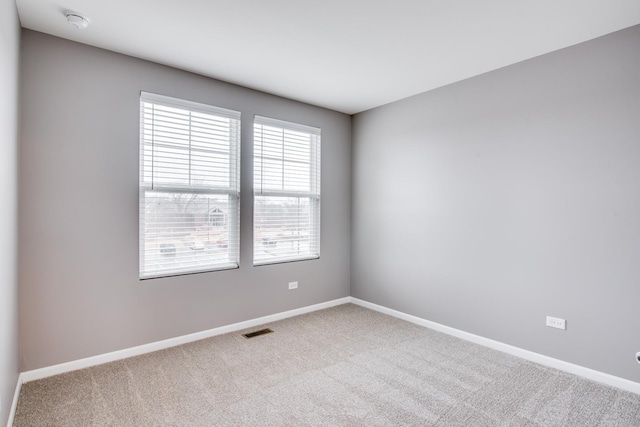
(257, 333)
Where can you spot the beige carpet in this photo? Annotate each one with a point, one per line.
(344, 366)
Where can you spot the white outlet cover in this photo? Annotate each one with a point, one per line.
(555, 322)
(293, 285)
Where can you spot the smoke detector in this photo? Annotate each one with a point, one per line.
(76, 20)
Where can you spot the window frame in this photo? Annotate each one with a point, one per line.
(314, 193)
(232, 191)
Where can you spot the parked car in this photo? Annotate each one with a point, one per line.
(167, 249)
(197, 246)
(268, 241)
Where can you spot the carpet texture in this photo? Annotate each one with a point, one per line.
(344, 366)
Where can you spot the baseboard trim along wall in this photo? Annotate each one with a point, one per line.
(14, 404)
(561, 365)
(49, 371)
(581, 371)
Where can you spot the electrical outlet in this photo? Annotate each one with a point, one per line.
(554, 322)
(293, 285)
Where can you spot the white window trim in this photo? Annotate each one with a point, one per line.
(314, 196)
(234, 208)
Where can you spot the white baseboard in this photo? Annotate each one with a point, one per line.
(49, 371)
(581, 371)
(14, 404)
(551, 362)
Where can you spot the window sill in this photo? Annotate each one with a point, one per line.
(284, 260)
(231, 266)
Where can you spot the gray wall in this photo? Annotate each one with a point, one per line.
(488, 204)
(9, 82)
(79, 288)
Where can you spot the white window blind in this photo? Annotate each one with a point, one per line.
(189, 187)
(286, 191)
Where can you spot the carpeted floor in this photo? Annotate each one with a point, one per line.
(344, 366)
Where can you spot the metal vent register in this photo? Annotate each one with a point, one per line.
(257, 333)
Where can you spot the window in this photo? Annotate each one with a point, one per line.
(189, 187)
(286, 219)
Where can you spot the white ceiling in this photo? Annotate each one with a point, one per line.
(346, 55)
